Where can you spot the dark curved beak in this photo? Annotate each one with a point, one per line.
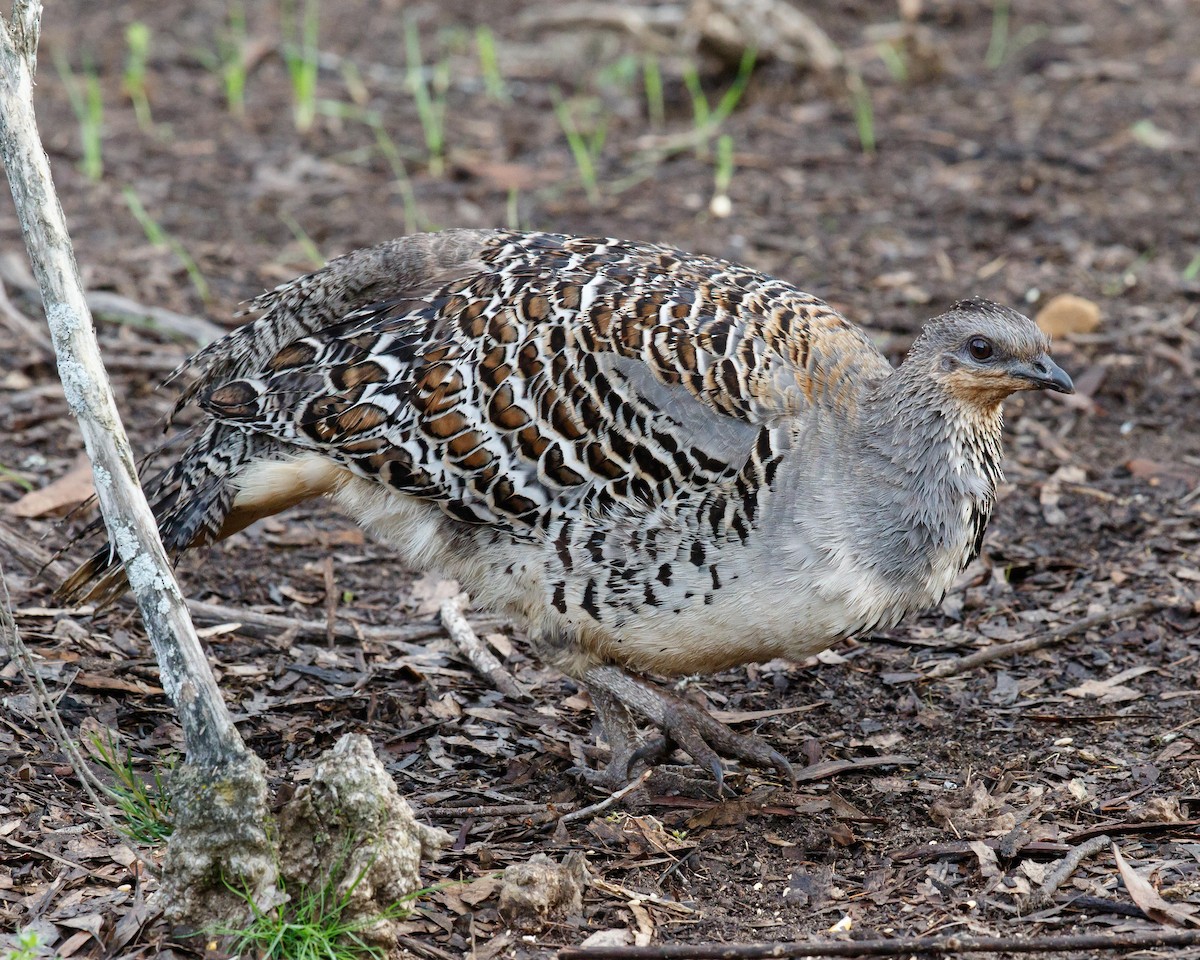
(1043, 374)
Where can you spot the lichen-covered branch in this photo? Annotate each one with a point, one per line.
(215, 752)
(208, 729)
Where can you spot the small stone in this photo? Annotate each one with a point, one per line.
(1067, 314)
(539, 891)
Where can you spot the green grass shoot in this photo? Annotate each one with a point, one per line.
(429, 90)
(721, 206)
(585, 148)
(894, 61)
(87, 102)
(1002, 44)
(231, 55)
(145, 806)
(414, 220)
(300, 55)
(864, 112)
(652, 83)
(9, 475)
(512, 210)
(706, 118)
(137, 39)
(312, 925)
(307, 245)
(27, 945)
(1192, 270)
(160, 238)
(489, 65)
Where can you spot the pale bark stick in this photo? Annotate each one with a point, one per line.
(218, 763)
(471, 647)
(950, 668)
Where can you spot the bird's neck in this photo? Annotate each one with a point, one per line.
(934, 462)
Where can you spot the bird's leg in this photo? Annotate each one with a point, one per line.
(682, 723)
(621, 733)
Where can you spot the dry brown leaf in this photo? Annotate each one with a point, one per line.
(1066, 314)
(1112, 689)
(645, 930)
(59, 497)
(989, 863)
(479, 890)
(1142, 891)
(613, 937)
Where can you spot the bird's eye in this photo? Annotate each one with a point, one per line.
(980, 349)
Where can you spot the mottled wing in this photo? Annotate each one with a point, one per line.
(560, 375)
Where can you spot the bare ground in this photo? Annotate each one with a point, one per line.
(1064, 160)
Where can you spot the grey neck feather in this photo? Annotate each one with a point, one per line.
(928, 475)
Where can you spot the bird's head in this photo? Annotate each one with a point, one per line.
(980, 352)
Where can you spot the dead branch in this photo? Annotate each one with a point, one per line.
(473, 649)
(46, 705)
(901, 946)
(106, 303)
(227, 837)
(1042, 896)
(607, 801)
(727, 28)
(24, 327)
(950, 668)
(273, 624)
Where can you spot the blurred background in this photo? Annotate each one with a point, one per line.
(889, 156)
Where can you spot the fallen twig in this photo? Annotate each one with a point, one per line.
(1042, 896)
(257, 622)
(950, 668)
(607, 801)
(595, 808)
(901, 946)
(472, 648)
(200, 331)
(218, 763)
(46, 704)
(491, 810)
(831, 768)
(25, 328)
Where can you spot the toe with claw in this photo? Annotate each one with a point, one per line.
(618, 695)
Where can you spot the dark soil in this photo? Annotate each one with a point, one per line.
(1067, 161)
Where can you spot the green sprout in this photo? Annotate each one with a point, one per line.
(652, 83)
(429, 91)
(88, 106)
(145, 806)
(311, 250)
(489, 65)
(706, 119)
(1001, 45)
(9, 475)
(160, 238)
(312, 925)
(720, 205)
(585, 148)
(231, 53)
(137, 38)
(27, 946)
(864, 112)
(894, 61)
(300, 55)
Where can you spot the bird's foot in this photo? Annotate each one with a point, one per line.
(616, 693)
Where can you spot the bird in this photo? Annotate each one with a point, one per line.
(659, 463)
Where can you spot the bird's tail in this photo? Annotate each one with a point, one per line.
(194, 502)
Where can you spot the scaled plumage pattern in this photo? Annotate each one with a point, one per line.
(657, 462)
